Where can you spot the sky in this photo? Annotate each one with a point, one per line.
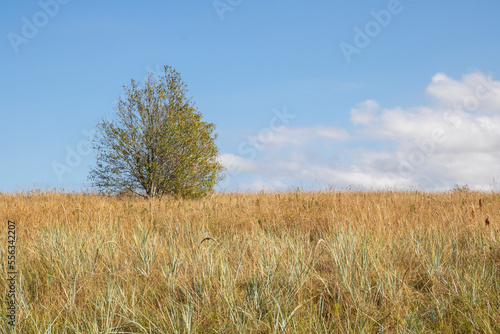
(374, 95)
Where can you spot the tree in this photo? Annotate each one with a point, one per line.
(157, 143)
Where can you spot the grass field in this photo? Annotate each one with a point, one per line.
(296, 262)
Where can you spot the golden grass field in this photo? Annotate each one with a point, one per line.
(295, 262)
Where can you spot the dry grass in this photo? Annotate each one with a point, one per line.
(307, 262)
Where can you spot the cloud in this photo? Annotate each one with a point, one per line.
(364, 112)
(476, 92)
(453, 140)
(285, 135)
(266, 185)
(235, 163)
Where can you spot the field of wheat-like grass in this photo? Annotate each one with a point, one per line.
(295, 262)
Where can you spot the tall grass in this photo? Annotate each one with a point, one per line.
(296, 262)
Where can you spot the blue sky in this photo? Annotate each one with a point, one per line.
(416, 104)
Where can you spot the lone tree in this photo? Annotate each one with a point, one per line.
(157, 143)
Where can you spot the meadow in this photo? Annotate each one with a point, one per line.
(292, 262)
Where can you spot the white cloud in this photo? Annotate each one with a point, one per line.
(476, 92)
(259, 185)
(235, 163)
(331, 133)
(285, 135)
(364, 112)
(455, 140)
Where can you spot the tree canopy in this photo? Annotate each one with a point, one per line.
(157, 142)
